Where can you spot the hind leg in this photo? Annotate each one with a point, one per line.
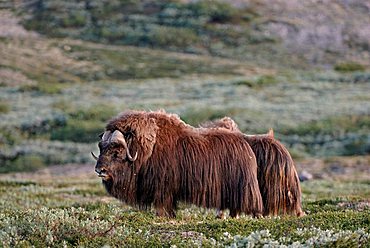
(299, 212)
(234, 213)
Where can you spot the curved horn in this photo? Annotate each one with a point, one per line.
(117, 137)
(94, 156)
(270, 134)
(106, 135)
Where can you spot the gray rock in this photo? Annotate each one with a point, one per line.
(305, 176)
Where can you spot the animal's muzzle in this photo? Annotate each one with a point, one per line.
(101, 172)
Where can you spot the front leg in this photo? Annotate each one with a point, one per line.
(165, 212)
(220, 214)
(166, 208)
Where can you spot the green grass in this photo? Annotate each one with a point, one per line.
(50, 88)
(4, 108)
(75, 211)
(196, 116)
(101, 112)
(84, 124)
(136, 63)
(349, 67)
(259, 82)
(29, 162)
(168, 24)
(78, 131)
(343, 135)
(335, 125)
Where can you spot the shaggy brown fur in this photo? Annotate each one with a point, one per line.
(277, 176)
(211, 168)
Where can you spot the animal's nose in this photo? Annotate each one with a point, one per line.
(100, 171)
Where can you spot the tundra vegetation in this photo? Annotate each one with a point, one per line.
(67, 67)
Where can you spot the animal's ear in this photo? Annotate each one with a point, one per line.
(144, 138)
(271, 133)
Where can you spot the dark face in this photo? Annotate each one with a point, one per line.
(111, 155)
(125, 146)
(114, 155)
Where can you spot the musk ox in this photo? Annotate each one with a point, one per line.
(277, 176)
(155, 159)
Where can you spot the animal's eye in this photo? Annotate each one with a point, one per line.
(129, 134)
(115, 155)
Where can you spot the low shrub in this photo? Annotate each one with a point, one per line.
(162, 36)
(78, 131)
(197, 116)
(44, 88)
(215, 11)
(306, 237)
(259, 82)
(349, 67)
(74, 19)
(42, 126)
(183, 26)
(334, 126)
(28, 162)
(4, 108)
(101, 112)
(34, 154)
(10, 136)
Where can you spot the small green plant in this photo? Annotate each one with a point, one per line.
(101, 112)
(197, 116)
(216, 11)
(4, 107)
(78, 131)
(74, 19)
(28, 162)
(44, 88)
(334, 126)
(266, 80)
(163, 36)
(349, 67)
(259, 82)
(42, 126)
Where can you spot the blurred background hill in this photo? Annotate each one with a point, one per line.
(66, 67)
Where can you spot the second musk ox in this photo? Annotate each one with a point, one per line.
(155, 159)
(277, 176)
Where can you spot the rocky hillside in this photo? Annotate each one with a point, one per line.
(284, 32)
(323, 31)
